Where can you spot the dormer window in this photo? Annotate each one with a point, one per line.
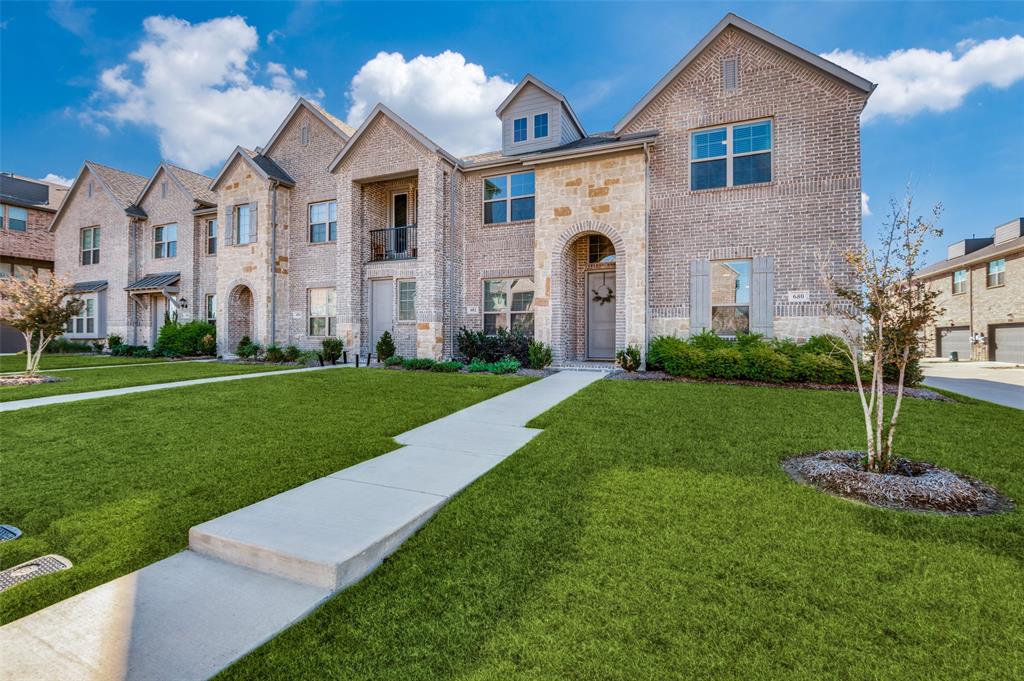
(519, 130)
(540, 126)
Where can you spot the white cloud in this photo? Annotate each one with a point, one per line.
(71, 17)
(865, 209)
(194, 84)
(57, 179)
(915, 80)
(300, 73)
(449, 99)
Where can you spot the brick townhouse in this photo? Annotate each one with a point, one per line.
(708, 206)
(981, 292)
(27, 207)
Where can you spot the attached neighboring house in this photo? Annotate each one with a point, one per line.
(981, 285)
(27, 208)
(706, 207)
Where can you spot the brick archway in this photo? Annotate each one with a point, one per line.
(240, 316)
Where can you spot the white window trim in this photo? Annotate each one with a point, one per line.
(330, 321)
(409, 212)
(526, 139)
(5, 218)
(206, 308)
(236, 239)
(533, 125)
(327, 223)
(1000, 274)
(953, 282)
(508, 198)
(165, 243)
(213, 223)
(530, 126)
(84, 317)
(729, 155)
(415, 291)
(81, 250)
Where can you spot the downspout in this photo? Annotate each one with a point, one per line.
(134, 247)
(647, 255)
(451, 265)
(273, 262)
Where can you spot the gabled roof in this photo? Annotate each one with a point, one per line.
(530, 79)
(849, 78)
(263, 165)
(381, 110)
(193, 184)
(342, 129)
(121, 186)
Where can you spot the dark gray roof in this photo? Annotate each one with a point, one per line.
(154, 281)
(29, 193)
(982, 254)
(268, 166)
(89, 286)
(596, 141)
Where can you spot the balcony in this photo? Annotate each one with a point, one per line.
(393, 243)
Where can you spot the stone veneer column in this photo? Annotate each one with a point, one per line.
(430, 261)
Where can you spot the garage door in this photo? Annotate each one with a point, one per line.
(956, 339)
(1008, 342)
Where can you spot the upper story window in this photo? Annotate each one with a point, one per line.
(508, 198)
(16, 218)
(997, 272)
(165, 241)
(323, 221)
(959, 282)
(540, 126)
(211, 237)
(90, 245)
(508, 304)
(245, 227)
(519, 130)
(731, 156)
(322, 311)
(730, 297)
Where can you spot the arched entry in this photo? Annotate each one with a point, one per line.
(589, 301)
(240, 324)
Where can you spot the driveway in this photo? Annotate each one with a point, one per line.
(997, 382)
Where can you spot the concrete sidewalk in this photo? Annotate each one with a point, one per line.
(252, 573)
(997, 382)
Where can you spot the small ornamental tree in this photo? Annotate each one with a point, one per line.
(887, 309)
(40, 309)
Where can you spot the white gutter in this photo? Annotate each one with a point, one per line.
(273, 261)
(647, 256)
(451, 264)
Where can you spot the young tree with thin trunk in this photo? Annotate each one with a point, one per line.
(887, 310)
(40, 309)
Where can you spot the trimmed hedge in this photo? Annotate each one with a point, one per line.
(478, 345)
(192, 339)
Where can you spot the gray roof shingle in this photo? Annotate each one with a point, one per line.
(125, 187)
(197, 184)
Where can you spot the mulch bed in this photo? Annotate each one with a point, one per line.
(918, 393)
(913, 486)
(28, 380)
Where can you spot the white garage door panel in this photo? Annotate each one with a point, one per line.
(955, 340)
(1009, 344)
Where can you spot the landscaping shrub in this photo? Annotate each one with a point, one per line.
(62, 346)
(394, 360)
(418, 363)
(122, 350)
(628, 358)
(492, 348)
(114, 340)
(478, 366)
(749, 341)
(725, 363)
(247, 349)
(538, 355)
(660, 348)
(291, 354)
(208, 345)
(274, 354)
(506, 365)
(97, 345)
(764, 364)
(332, 349)
(447, 367)
(184, 340)
(385, 346)
(815, 368)
(142, 351)
(311, 358)
(707, 341)
(826, 344)
(787, 347)
(686, 360)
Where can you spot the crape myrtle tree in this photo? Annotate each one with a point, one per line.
(40, 309)
(887, 309)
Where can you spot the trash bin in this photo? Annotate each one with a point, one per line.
(954, 356)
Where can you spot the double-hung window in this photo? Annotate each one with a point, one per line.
(211, 308)
(323, 222)
(959, 282)
(17, 218)
(519, 130)
(508, 198)
(211, 237)
(508, 304)
(731, 156)
(730, 297)
(540, 126)
(322, 311)
(90, 245)
(997, 272)
(85, 321)
(165, 241)
(407, 301)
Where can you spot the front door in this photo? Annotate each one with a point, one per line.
(601, 314)
(382, 309)
(163, 310)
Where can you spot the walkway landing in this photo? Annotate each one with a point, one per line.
(252, 573)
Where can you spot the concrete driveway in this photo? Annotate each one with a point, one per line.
(997, 382)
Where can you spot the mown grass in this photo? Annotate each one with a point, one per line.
(10, 363)
(649, 533)
(87, 380)
(114, 484)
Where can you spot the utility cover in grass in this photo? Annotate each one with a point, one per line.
(43, 565)
(912, 486)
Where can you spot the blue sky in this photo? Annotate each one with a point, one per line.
(128, 83)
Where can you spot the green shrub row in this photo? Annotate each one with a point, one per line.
(495, 347)
(191, 339)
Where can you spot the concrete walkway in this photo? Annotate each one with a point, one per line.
(997, 382)
(252, 573)
(15, 405)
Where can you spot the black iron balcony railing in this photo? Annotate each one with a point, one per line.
(393, 243)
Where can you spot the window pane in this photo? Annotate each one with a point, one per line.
(524, 323)
(318, 302)
(540, 125)
(318, 212)
(707, 175)
(332, 231)
(752, 137)
(318, 233)
(211, 307)
(495, 188)
(600, 249)
(23, 271)
(332, 211)
(491, 323)
(17, 218)
(95, 237)
(407, 300)
(729, 320)
(495, 295)
(317, 326)
(519, 130)
(730, 282)
(495, 211)
(752, 169)
(708, 144)
(171, 233)
(400, 210)
(211, 229)
(86, 239)
(522, 184)
(172, 249)
(522, 302)
(522, 209)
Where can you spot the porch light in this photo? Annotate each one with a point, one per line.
(182, 303)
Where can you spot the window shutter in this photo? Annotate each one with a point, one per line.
(252, 222)
(700, 296)
(762, 296)
(229, 225)
(730, 74)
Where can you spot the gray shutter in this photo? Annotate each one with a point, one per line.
(762, 296)
(229, 225)
(253, 222)
(700, 295)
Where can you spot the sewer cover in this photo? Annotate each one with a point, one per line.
(9, 532)
(33, 568)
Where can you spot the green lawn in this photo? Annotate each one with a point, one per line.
(10, 363)
(118, 377)
(114, 484)
(649, 533)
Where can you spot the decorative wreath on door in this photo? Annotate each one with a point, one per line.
(603, 295)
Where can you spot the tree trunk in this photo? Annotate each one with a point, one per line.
(890, 436)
